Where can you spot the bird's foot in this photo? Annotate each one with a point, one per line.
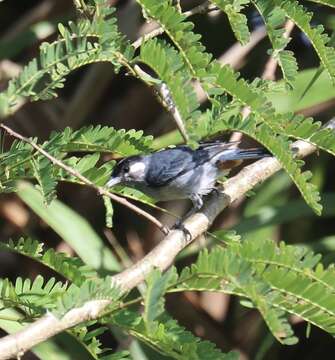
(165, 230)
(180, 226)
(217, 191)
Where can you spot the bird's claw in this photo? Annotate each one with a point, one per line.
(180, 226)
(165, 230)
(217, 191)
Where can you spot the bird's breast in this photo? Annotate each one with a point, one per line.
(200, 180)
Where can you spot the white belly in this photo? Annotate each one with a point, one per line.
(201, 182)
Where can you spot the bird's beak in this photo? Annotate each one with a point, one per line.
(113, 181)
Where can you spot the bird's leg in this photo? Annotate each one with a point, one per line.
(216, 191)
(197, 205)
(197, 202)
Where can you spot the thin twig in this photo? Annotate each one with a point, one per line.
(204, 8)
(101, 190)
(158, 30)
(165, 94)
(234, 56)
(165, 98)
(162, 256)
(153, 33)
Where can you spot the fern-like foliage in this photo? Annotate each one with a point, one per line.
(90, 341)
(274, 19)
(319, 39)
(32, 297)
(237, 20)
(37, 296)
(175, 26)
(159, 330)
(169, 338)
(157, 285)
(277, 280)
(103, 139)
(43, 173)
(217, 79)
(308, 130)
(96, 289)
(79, 44)
(176, 69)
(21, 161)
(276, 143)
(71, 268)
(169, 66)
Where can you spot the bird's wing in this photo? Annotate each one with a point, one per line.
(168, 164)
(221, 144)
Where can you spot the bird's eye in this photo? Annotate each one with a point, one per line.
(126, 169)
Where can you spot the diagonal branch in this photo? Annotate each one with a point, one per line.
(162, 256)
(100, 190)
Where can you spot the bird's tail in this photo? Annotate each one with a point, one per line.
(241, 154)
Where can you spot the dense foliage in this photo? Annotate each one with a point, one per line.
(276, 279)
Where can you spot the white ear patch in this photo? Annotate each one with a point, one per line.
(137, 169)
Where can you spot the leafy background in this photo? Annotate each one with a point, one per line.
(95, 95)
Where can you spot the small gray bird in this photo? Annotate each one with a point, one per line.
(181, 172)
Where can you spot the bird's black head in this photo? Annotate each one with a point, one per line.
(128, 170)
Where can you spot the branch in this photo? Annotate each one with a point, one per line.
(162, 256)
(100, 190)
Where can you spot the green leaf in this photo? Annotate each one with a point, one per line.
(73, 229)
(79, 44)
(274, 18)
(43, 172)
(32, 297)
(180, 32)
(318, 38)
(324, 2)
(120, 355)
(170, 338)
(104, 139)
(72, 268)
(238, 21)
(280, 148)
(169, 66)
(90, 290)
(275, 278)
(154, 296)
(109, 211)
(291, 101)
